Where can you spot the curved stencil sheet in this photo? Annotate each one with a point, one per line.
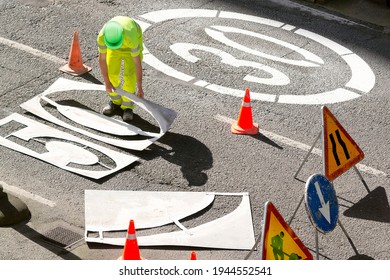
(112, 210)
(162, 115)
(61, 153)
(232, 231)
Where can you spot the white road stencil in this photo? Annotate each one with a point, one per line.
(62, 149)
(162, 115)
(108, 211)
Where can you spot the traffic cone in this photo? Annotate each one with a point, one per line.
(131, 250)
(75, 66)
(193, 256)
(244, 124)
(12, 209)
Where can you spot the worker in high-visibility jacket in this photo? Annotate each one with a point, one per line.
(119, 40)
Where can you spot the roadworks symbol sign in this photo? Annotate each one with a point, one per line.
(279, 242)
(340, 150)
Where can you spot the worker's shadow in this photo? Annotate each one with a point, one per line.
(185, 151)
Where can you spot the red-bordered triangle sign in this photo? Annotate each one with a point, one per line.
(279, 242)
(339, 149)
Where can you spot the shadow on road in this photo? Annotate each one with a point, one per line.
(43, 241)
(187, 152)
(89, 77)
(374, 207)
(266, 140)
(361, 257)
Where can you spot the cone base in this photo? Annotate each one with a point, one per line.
(75, 72)
(236, 129)
(12, 210)
(120, 258)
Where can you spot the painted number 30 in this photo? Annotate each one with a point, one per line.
(362, 78)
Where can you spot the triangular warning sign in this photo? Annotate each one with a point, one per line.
(339, 149)
(279, 242)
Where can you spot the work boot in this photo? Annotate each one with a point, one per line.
(110, 109)
(127, 115)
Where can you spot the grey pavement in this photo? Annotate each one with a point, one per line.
(375, 13)
(372, 13)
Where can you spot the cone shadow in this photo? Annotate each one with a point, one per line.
(91, 78)
(266, 140)
(374, 207)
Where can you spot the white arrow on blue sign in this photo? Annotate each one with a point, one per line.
(321, 203)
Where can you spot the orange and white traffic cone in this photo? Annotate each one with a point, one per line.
(193, 256)
(75, 66)
(244, 124)
(131, 249)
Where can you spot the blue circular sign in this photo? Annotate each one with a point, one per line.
(321, 203)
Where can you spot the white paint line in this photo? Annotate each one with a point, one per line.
(20, 192)
(32, 51)
(303, 147)
(328, 97)
(288, 27)
(166, 69)
(240, 93)
(363, 78)
(220, 36)
(201, 83)
(337, 48)
(245, 17)
(277, 78)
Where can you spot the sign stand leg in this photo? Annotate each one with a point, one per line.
(308, 153)
(349, 239)
(361, 178)
(299, 170)
(254, 246)
(317, 253)
(296, 210)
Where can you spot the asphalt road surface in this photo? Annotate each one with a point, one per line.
(199, 58)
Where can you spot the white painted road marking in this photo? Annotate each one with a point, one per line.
(278, 78)
(358, 67)
(32, 51)
(220, 36)
(303, 147)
